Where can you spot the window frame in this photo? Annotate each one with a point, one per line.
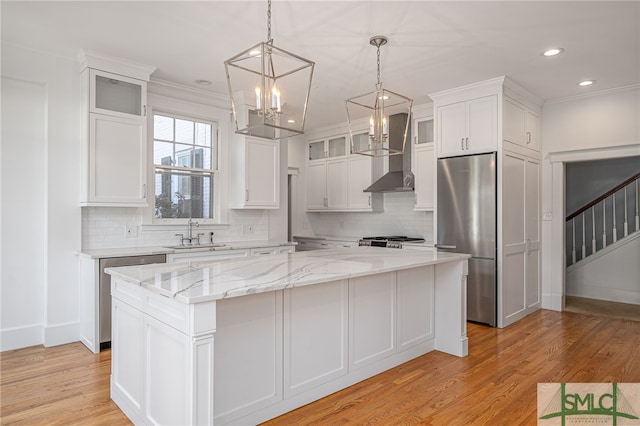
(213, 173)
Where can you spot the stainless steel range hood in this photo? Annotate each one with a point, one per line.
(399, 178)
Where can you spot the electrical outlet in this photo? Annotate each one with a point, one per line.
(247, 229)
(130, 231)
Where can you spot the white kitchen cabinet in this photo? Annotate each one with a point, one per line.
(255, 173)
(117, 95)
(521, 235)
(117, 156)
(415, 290)
(337, 175)
(248, 355)
(327, 174)
(359, 179)
(467, 127)
(315, 344)
(316, 186)
(114, 129)
(372, 319)
(521, 124)
(336, 181)
(424, 165)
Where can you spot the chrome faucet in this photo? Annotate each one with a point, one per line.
(191, 224)
(190, 236)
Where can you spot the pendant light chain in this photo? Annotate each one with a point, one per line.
(269, 39)
(379, 83)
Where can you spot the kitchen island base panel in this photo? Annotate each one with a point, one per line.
(165, 369)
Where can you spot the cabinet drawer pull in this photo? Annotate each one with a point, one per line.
(246, 195)
(467, 143)
(462, 143)
(528, 137)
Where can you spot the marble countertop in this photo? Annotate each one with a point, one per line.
(141, 251)
(213, 280)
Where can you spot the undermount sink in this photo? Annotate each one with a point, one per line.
(196, 246)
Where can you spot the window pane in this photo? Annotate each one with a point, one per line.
(184, 155)
(183, 196)
(163, 153)
(203, 134)
(162, 127)
(184, 131)
(203, 158)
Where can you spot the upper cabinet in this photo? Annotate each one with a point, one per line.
(116, 95)
(486, 117)
(336, 178)
(521, 124)
(424, 164)
(114, 129)
(255, 173)
(468, 127)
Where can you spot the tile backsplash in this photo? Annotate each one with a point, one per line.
(105, 227)
(398, 218)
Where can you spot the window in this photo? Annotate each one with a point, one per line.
(185, 162)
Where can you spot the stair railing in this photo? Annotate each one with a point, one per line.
(590, 211)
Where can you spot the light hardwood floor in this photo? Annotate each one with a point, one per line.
(494, 385)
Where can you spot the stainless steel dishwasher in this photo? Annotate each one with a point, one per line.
(105, 288)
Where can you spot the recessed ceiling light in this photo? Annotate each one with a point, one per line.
(553, 51)
(291, 120)
(586, 82)
(255, 53)
(203, 82)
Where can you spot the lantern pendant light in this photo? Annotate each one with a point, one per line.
(372, 111)
(269, 89)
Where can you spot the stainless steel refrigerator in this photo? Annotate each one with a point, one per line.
(467, 224)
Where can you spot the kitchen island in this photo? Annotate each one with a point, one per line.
(242, 341)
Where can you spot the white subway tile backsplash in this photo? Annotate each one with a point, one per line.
(104, 227)
(398, 218)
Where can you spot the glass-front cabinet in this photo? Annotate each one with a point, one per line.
(424, 164)
(334, 147)
(116, 95)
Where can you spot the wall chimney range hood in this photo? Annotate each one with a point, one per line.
(399, 178)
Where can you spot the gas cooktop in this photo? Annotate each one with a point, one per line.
(393, 241)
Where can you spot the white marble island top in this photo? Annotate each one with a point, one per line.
(204, 281)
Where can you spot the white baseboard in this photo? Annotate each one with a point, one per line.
(604, 293)
(60, 334)
(21, 337)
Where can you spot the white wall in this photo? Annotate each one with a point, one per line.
(39, 240)
(600, 277)
(596, 126)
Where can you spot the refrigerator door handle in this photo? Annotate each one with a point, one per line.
(445, 246)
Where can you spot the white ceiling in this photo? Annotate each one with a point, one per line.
(432, 45)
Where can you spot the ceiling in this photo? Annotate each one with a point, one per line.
(432, 45)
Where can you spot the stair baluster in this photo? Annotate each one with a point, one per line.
(593, 205)
(615, 231)
(584, 246)
(637, 217)
(625, 228)
(573, 246)
(593, 231)
(604, 223)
